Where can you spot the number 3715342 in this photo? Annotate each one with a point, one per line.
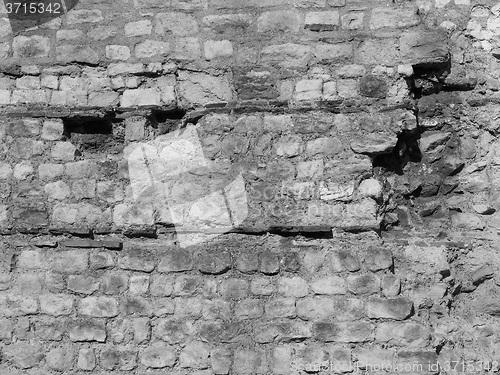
(33, 8)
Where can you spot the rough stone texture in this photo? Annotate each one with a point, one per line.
(243, 186)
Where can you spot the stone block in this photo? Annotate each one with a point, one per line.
(23, 354)
(291, 261)
(56, 304)
(139, 285)
(373, 359)
(195, 355)
(231, 4)
(280, 308)
(50, 171)
(187, 49)
(407, 333)
(379, 52)
(61, 358)
(161, 286)
(186, 285)
(201, 88)
(5, 96)
(262, 286)
(6, 329)
(249, 309)
(315, 308)
(467, 221)
(246, 361)
(289, 146)
(98, 307)
(137, 260)
(52, 130)
(150, 48)
(370, 188)
(391, 285)
(30, 96)
(269, 263)
(308, 89)
(355, 332)
(279, 21)
(377, 258)
(288, 55)
(176, 260)
(427, 259)
(234, 288)
(347, 88)
(5, 171)
(101, 260)
(328, 146)
(14, 305)
(425, 361)
(136, 306)
(188, 307)
(72, 34)
(281, 360)
(373, 86)
(353, 20)
(218, 48)
(58, 190)
(182, 24)
(220, 361)
(140, 98)
(174, 330)
(76, 53)
(28, 83)
(76, 17)
(86, 359)
(82, 284)
(282, 331)
(69, 261)
(247, 262)
(312, 260)
(374, 143)
(214, 262)
(64, 151)
(158, 355)
(309, 3)
(293, 287)
(114, 283)
(322, 21)
(394, 17)
(117, 52)
(138, 28)
(224, 23)
(398, 308)
(30, 46)
(329, 285)
(125, 216)
(424, 47)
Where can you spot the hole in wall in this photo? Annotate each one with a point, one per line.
(428, 78)
(94, 134)
(406, 150)
(166, 121)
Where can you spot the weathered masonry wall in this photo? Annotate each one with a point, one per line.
(344, 164)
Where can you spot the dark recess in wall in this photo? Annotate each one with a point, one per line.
(406, 150)
(94, 133)
(166, 121)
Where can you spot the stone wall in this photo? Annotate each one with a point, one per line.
(250, 187)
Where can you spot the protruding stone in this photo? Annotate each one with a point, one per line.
(374, 143)
(428, 47)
